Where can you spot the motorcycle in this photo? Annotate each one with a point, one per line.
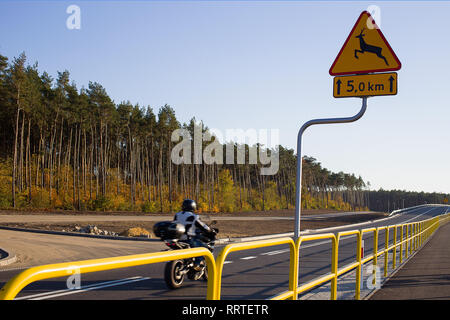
(176, 271)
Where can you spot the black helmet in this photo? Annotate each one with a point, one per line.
(189, 205)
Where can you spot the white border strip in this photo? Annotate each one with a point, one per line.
(95, 286)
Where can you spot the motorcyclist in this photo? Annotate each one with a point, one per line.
(195, 228)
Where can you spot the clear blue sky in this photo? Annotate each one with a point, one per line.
(260, 65)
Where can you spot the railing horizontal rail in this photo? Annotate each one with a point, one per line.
(17, 283)
(316, 282)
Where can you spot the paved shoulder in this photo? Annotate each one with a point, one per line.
(426, 276)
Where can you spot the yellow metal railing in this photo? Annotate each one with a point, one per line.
(334, 261)
(16, 284)
(412, 237)
(293, 265)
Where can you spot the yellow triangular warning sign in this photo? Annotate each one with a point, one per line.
(365, 50)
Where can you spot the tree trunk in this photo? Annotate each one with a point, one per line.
(13, 191)
(28, 162)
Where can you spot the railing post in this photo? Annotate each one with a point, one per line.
(401, 244)
(418, 235)
(294, 254)
(419, 239)
(334, 268)
(411, 246)
(375, 255)
(416, 232)
(406, 241)
(358, 269)
(386, 251)
(394, 253)
(421, 233)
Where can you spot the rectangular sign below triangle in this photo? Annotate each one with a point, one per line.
(365, 85)
(366, 50)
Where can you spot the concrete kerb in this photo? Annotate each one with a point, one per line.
(7, 257)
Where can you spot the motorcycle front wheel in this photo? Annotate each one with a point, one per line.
(173, 274)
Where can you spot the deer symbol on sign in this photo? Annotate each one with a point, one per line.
(368, 48)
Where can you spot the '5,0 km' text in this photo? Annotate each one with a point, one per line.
(380, 84)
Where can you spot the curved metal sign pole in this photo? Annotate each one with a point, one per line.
(298, 190)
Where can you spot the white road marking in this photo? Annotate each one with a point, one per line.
(271, 253)
(314, 244)
(95, 286)
(248, 258)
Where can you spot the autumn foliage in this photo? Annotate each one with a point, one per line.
(76, 149)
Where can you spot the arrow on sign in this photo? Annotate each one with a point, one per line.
(338, 86)
(391, 81)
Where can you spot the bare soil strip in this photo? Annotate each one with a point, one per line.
(248, 225)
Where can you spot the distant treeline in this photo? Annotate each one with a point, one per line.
(387, 201)
(67, 148)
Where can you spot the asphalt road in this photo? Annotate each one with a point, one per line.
(253, 274)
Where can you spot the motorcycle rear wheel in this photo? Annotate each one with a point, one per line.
(173, 274)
